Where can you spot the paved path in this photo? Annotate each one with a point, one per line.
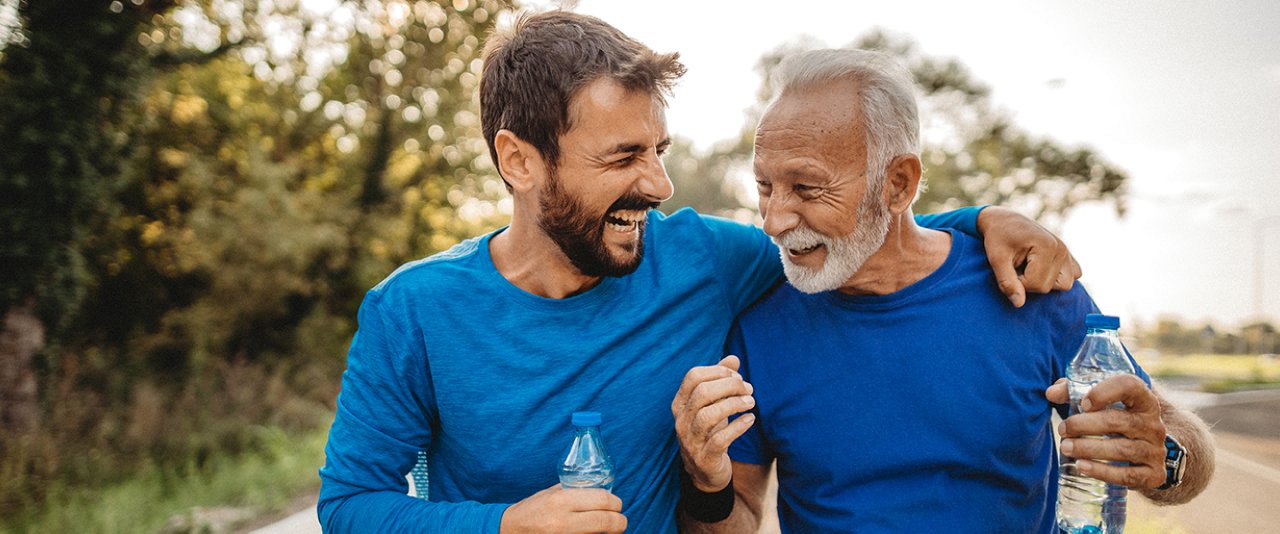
(1245, 490)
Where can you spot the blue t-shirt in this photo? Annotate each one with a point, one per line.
(918, 411)
(453, 359)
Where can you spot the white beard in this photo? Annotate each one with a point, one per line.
(845, 254)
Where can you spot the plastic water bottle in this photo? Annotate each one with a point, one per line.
(587, 465)
(1087, 505)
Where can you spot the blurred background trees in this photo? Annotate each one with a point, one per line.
(195, 194)
(973, 152)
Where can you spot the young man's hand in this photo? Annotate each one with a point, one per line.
(1024, 255)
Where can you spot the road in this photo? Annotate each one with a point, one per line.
(1242, 497)
(1245, 490)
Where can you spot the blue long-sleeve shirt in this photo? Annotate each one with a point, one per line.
(453, 359)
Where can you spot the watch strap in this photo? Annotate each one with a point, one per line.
(1174, 459)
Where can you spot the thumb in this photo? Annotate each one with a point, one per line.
(731, 362)
(1007, 280)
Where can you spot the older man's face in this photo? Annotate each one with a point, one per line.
(810, 166)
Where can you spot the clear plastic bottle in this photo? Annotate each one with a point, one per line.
(587, 465)
(1087, 505)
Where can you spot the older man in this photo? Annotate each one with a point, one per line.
(890, 382)
(589, 300)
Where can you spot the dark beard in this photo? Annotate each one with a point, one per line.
(580, 235)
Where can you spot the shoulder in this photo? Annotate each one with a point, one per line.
(689, 224)
(782, 299)
(443, 267)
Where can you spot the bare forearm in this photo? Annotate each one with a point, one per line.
(1194, 436)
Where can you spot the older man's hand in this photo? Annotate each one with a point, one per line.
(707, 397)
(1024, 255)
(1137, 432)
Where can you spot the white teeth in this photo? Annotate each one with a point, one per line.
(632, 216)
(619, 227)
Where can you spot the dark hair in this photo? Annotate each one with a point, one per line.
(532, 73)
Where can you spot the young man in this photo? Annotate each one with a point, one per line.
(589, 300)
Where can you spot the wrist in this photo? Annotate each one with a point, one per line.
(1175, 463)
(983, 220)
(705, 506)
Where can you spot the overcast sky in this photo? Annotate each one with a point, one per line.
(1184, 95)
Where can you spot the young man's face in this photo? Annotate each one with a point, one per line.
(609, 175)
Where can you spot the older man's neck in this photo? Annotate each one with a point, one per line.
(909, 254)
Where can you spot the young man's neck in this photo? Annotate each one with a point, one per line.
(909, 254)
(530, 260)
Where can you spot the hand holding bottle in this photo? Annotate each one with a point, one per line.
(557, 509)
(1137, 432)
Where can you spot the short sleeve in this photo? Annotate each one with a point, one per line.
(749, 447)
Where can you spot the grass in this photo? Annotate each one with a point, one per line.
(282, 467)
(1223, 372)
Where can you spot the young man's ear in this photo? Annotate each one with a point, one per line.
(901, 181)
(520, 164)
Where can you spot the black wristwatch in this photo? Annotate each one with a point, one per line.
(1174, 463)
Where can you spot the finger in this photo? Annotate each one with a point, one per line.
(1007, 278)
(598, 521)
(730, 362)
(714, 418)
(721, 440)
(1064, 281)
(694, 378)
(1127, 389)
(1113, 422)
(1040, 271)
(1132, 476)
(588, 499)
(1058, 392)
(708, 393)
(1132, 451)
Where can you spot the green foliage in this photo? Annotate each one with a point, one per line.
(1173, 337)
(973, 153)
(256, 167)
(282, 466)
(66, 71)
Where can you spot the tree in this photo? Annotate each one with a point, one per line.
(983, 158)
(65, 71)
(198, 203)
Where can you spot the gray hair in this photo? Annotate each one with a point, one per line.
(892, 123)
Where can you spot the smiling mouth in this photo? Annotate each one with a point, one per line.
(624, 220)
(803, 251)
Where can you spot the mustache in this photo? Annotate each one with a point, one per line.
(633, 201)
(801, 237)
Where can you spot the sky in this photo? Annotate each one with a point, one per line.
(1183, 95)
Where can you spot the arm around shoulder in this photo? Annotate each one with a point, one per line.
(749, 484)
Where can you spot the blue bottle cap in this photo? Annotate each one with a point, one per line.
(1097, 320)
(586, 418)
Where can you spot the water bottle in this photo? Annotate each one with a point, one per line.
(588, 464)
(1087, 505)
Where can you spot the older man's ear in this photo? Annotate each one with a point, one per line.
(902, 178)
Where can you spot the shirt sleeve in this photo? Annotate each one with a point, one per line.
(746, 261)
(749, 448)
(962, 219)
(383, 419)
